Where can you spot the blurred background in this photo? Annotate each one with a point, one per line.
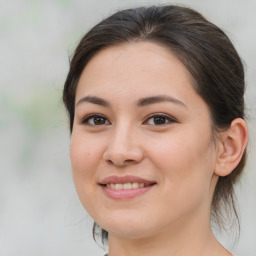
(40, 213)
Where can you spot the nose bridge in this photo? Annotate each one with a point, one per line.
(123, 146)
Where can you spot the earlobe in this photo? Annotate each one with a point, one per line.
(231, 148)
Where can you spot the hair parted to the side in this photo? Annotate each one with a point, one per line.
(202, 47)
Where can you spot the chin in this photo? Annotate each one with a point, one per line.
(129, 233)
(130, 229)
(125, 228)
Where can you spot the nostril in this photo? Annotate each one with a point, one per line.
(120, 157)
(109, 161)
(129, 161)
(120, 162)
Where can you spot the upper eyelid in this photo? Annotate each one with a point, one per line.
(161, 114)
(87, 117)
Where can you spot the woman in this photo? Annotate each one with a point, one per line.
(155, 100)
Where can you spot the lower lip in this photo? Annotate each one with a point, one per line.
(125, 193)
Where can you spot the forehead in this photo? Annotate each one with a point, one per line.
(131, 65)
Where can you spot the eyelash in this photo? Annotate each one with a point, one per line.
(166, 118)
(86, 120)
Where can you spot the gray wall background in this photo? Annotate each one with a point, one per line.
(40, 213)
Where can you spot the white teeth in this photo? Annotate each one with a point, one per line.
(129, 185)
(119, 186)
(141, 185)
(135, 185)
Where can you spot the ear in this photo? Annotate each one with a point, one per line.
(232, 144)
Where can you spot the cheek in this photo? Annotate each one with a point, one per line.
(185, 159)
(84, 159)
(185, 171)
(83, 153)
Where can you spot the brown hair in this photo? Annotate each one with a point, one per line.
(206, 52)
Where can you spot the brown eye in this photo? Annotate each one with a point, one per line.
(95, 120)
(159, 119)
(99, 120)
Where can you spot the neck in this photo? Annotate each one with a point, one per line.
(189, 239)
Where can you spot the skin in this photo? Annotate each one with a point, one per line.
(173, 217)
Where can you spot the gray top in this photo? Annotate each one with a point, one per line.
(232, 255)
(107, 255)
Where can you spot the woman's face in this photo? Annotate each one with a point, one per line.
(141, 149)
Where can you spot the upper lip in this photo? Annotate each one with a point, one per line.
(125, 179)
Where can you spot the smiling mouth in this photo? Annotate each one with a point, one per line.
(127, 186)
(126, 191)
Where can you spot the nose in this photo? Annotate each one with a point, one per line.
(123, 147)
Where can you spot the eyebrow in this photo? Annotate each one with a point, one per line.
(94, 100)
(141, 102)
(158, 99)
